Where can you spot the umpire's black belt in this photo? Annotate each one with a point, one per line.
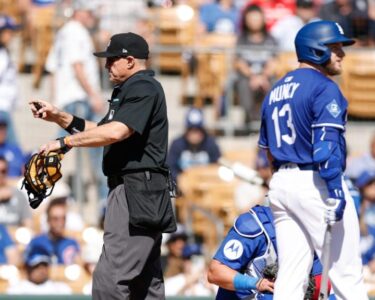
(115, 180)
(302, 167)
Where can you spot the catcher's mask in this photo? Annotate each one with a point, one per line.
(41, 174)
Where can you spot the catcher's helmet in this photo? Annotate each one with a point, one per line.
(41, 174)
(312, 39)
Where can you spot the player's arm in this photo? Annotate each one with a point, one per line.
(222, 275)
(329, 155)
(229, 279)
(329, 150)
(48, 112)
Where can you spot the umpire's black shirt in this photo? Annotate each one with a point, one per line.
(139, 103)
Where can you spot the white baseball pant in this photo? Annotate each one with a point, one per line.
(297, 200)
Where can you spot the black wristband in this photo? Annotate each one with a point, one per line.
(77, 125)
(63, 146)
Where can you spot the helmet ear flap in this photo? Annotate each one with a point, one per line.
(324, 55)
(317, 52)
(309, 50)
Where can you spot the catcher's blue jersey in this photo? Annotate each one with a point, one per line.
(248, 248)
(301, 100)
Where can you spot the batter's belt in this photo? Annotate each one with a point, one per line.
(302, 167)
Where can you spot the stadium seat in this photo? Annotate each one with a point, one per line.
(207, 203)
(214, 55)
(286, 62)
(246, 156)
(172, 34)
(358, 83)
(42, 38)
(10, 8)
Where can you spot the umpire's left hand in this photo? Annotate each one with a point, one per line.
(49, 147)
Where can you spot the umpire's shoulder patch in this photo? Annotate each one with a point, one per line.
(333, 108)
(233, 249)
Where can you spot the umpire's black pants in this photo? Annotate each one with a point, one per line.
(129, 266)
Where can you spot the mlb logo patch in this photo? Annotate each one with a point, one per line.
(334, 108)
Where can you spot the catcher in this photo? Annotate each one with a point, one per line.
(245, 265)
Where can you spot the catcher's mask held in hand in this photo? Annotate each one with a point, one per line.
(41, 174)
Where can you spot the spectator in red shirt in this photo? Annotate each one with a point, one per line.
(274, 10)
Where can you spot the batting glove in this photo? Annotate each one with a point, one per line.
(335, 206)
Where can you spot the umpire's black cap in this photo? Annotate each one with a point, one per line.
(126, 44)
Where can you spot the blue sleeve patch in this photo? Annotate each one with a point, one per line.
(247, 225)
(329, 106)
(333, 108)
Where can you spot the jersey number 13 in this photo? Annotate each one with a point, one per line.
(279, 117)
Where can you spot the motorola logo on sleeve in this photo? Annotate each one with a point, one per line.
(233, 249)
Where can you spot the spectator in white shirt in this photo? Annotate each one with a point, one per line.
(8, 76)
(76, 82)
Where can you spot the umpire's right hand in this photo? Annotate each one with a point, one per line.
(44, 110)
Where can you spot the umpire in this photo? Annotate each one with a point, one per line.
(135, 135)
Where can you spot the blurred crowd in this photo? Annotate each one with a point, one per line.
(53, 250)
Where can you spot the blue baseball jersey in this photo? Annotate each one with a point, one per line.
(62, 251)
(246, 249)
(302, 100)
(240, 249)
